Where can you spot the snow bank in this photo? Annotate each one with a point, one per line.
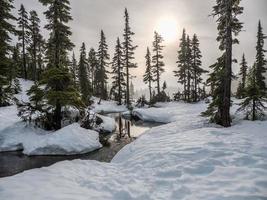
(69, 140)
(25, 86)
(107, 106)
(108, 125)
(182, 160)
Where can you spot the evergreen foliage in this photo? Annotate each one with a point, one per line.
(243, 75)
(92, 64)
(128, 54)
(148, 76)
(6, 93)
(101, 70)
(83, 76)
(118, 84)
(253, 104)
(228, 27)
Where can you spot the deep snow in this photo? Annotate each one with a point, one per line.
(184, 159)
(16, 135)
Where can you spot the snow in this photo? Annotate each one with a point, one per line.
(186, 159)
(16, 135)
(108, 125)
(107, 106)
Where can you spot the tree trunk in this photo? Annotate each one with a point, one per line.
(226, 119)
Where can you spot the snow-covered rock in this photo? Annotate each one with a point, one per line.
(108, 125)
(182, 160)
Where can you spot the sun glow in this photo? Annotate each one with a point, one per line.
(167, 27)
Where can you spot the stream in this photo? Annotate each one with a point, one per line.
(12, 163)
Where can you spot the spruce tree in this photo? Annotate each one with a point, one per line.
(92, 63)
(74, 70)
(182, 64)
(36, 41)
(197, 70)
(59, 86)
(118, 84)
(101, 71)
(23, 25)
(253, 104)
(261, 61)
(6, 29)
(148, 76)
(158, 64)
(243, 75)
(83, 76)
(189, 69)
(128, 54)
(228, 25)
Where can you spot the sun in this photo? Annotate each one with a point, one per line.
(167, 27)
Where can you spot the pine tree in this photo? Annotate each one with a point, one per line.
(261, 61)
(148, 76)
(128, 54)
(197, 71)
(118, 84)
(158, 64)
(188, 68)
(101, 71)
(253, 105)
(6, 29)
(243, 73)
(226, 12)
(23, 25)
(36, 41)
(92, 63)
(73, 68)
(182, 64)
(83, 75)
(59, 86)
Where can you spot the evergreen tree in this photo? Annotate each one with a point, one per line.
(158, 64)
(253, 105)
(188, 68)
(197, 71)
(83, 75)
(23, 25)
(243, 74)
(6, 29)
(74, 70)
(261, 61)
(101, 71)
(182, 64)
(36, 41)
(164, 86)
(148, 76)
(128, 54)
(118, 84)
(226, 12)
(59, 89)
(92, 63)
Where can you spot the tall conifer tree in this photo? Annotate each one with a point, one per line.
(118, 84)
(261, 61)
(148, 76)
(83, 75)
(243, 78)
(23, 24)
(92, 63)
(6, 29)
(226, 12)
(158, 64)
(101, 71)
(128, 54)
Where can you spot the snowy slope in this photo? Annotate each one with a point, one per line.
(106, 106)
(183, 160)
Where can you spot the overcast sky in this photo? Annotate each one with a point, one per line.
(146, 16)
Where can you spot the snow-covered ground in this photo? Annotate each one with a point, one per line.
(107, 106)
(183, 160)
(16, 135)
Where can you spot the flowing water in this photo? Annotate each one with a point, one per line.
(15, 162)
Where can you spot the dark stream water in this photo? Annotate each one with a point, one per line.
(12, 163)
